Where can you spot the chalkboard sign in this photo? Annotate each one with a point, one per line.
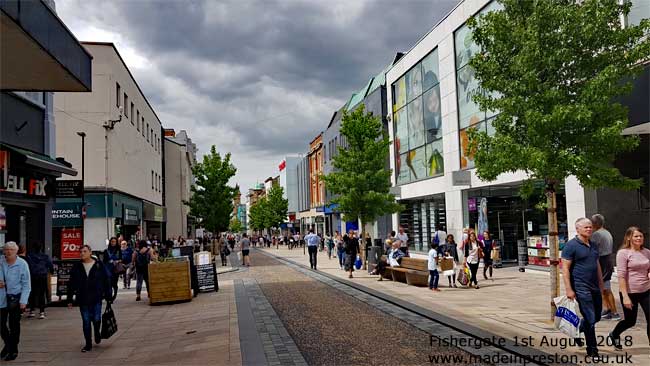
(63, 277)
(207, 277)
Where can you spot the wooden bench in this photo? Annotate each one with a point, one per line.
(412, 271)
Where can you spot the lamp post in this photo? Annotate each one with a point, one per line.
(83, 183)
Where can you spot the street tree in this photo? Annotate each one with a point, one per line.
(276, 207)
(256, 216)
(555, 71)
(212, 196)
(360, 180)
(235, 225)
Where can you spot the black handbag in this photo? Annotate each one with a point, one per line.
(109, 323)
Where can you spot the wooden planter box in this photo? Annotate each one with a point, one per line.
(169, 281)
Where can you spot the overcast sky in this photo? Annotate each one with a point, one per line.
(259, 79)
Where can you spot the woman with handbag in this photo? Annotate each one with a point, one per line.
(449, 250)
(473, 253)
(89, 285)
(113, 263)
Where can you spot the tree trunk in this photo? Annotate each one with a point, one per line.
(553, 243)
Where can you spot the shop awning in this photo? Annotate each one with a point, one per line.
(41, 161)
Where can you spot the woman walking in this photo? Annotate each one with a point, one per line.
(488, 244)
(633, 268)
(90, 282)
(351, 251)
(473, 253)
(127, 262)
(40, 266)
(113, 263)
(141, 258)
(340, 249)
(450, 250)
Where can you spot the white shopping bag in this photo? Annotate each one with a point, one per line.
(566, 316)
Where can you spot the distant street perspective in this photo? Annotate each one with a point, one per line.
(298, 182)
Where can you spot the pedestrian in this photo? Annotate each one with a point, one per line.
(433, 267)
(488, 245)
(351, 251)
(439, 235)
(403, 238)
(40, 266)
(583, 281)
(340, 249)
(16, 285)
(633, 269)
(330, 245)
(224, 252)
(127, 262)
(602, 238)
(141, 258)
(89, 285)
(245, 245)
(450, 250)
(473, 255)
(113, 263)
(313, 242)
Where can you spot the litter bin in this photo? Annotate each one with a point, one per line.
(522, 255)
(374, 253)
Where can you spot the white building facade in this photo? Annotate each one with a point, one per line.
(123, 160)
(180, 157)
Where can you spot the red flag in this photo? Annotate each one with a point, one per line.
(282, 165)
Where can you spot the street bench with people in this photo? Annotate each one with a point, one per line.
(412, 271)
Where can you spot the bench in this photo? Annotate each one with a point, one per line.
(412, 271)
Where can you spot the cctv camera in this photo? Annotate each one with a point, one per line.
(121, 111)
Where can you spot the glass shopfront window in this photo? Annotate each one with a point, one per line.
(417, 122)
(469, 114)
(420, 219)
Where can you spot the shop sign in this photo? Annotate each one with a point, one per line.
(69, 189)
(461, 178)
(131, 216)
(471, 204)
(67, 214)
(19, 184)
(63, 270)
(159, 214)
(71, 243)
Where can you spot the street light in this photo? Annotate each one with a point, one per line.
(83, 183)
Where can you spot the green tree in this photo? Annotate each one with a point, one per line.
(256, 216)
(360, 179)
(555, 70)
(235, 225)
(276, 207)
(212, 197)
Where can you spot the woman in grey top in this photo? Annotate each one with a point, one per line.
(245, 250)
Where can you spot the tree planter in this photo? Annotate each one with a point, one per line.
(169, 282)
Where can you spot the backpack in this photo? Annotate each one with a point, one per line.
(436, 239)
(142, 259)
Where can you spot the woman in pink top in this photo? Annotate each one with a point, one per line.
(633, 266)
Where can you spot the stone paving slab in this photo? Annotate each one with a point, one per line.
(204, 331)
(515, 304)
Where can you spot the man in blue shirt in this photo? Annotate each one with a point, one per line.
(583, 281)
(312, 241)
(17, 284)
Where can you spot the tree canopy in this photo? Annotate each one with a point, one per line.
(269, 211)
(212, 196)
(360, 180)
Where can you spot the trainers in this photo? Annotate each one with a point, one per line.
(605, 312)
(607, 316)
(615, 342)
(579, 342)
(137, 298)
(31, 314)
(595, 357)
(41, 315)
(615, 316)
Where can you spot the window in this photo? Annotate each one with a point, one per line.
(137, 120)
(152, 180)
(469, 114)
(148, 131)
(132, 106)
(640, 10)
(143, 126)
(126, 105)
(417, 122)
(151, 134)
(118, 95)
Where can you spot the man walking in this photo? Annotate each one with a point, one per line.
(605, 243)
(404, 239)
(313, 242)
(17, 285)
(583, 280)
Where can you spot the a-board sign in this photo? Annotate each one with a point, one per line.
(63, 277)
(207, 277)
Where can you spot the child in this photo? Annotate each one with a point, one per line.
(433, 267)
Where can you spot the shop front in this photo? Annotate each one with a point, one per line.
(420, 219)
(154, 217)
(510, 218)
(67, 230)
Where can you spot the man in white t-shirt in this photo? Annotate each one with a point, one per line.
(439, 235)
(403, 238)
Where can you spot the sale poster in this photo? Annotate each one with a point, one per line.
(71, 243)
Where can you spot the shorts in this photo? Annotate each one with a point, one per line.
(245, 252)
(349, 262)
(608, 285)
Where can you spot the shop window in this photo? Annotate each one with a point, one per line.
(118, 94)
(126, 105)
(143, 126)
(414, 82)
(152, 179)
(467, 155)
(132, 107)
(137, 120)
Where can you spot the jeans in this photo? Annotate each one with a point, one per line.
(11, 334)
(141, 275)
(643, 299)
(473, 268)
(313, 253)
(340, 253)
(91, 314)
(591, 305)
(114, 279)
(433, 278)
(38, 294)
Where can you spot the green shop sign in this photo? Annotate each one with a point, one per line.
(67, 214)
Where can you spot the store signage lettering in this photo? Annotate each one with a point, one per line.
(26, 186)
(71, 243)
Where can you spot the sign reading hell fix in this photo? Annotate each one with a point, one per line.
(71, 243)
